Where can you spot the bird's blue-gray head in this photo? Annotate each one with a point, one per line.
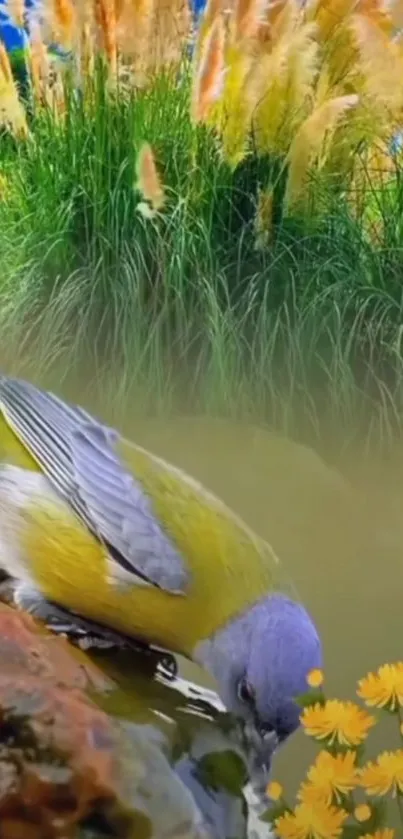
(260, 661)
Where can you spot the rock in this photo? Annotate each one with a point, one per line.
(66, 767)
(28, 650)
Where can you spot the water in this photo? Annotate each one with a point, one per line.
(338, 530)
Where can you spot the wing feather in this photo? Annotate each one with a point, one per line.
(78, 456)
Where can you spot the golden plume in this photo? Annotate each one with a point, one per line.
(148, 179)
(308, 143)
(105, 18)
(209, 73)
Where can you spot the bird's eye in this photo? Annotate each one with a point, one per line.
(245, 692)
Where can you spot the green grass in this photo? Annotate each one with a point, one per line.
(306, 334)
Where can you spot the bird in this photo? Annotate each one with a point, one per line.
(114, 534)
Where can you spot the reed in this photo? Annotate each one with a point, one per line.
(130, 239)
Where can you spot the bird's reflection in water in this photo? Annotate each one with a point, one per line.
(202, 742)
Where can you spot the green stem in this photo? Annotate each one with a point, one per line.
(400, 717)
(398, 796)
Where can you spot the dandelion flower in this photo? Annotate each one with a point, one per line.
(362, 813)
(311, 822)
(274, 790)
(344, 723)
(384, 775)
(383, 689)
(315, 678)
(384, 833)
(330, 775)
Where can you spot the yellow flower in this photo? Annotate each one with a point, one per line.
(384, 775)
(330, 775)
(362, 813)
(274, 790)
(385, 833)
(315, 678)
(342, 722)
(308, 821)
(383, 688)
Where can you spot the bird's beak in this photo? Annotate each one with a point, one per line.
(261, 746)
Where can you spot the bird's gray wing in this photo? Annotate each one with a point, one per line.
(78, 456)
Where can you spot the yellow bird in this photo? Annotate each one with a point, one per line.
(92, 522)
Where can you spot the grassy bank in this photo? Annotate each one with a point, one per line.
(226, 296)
